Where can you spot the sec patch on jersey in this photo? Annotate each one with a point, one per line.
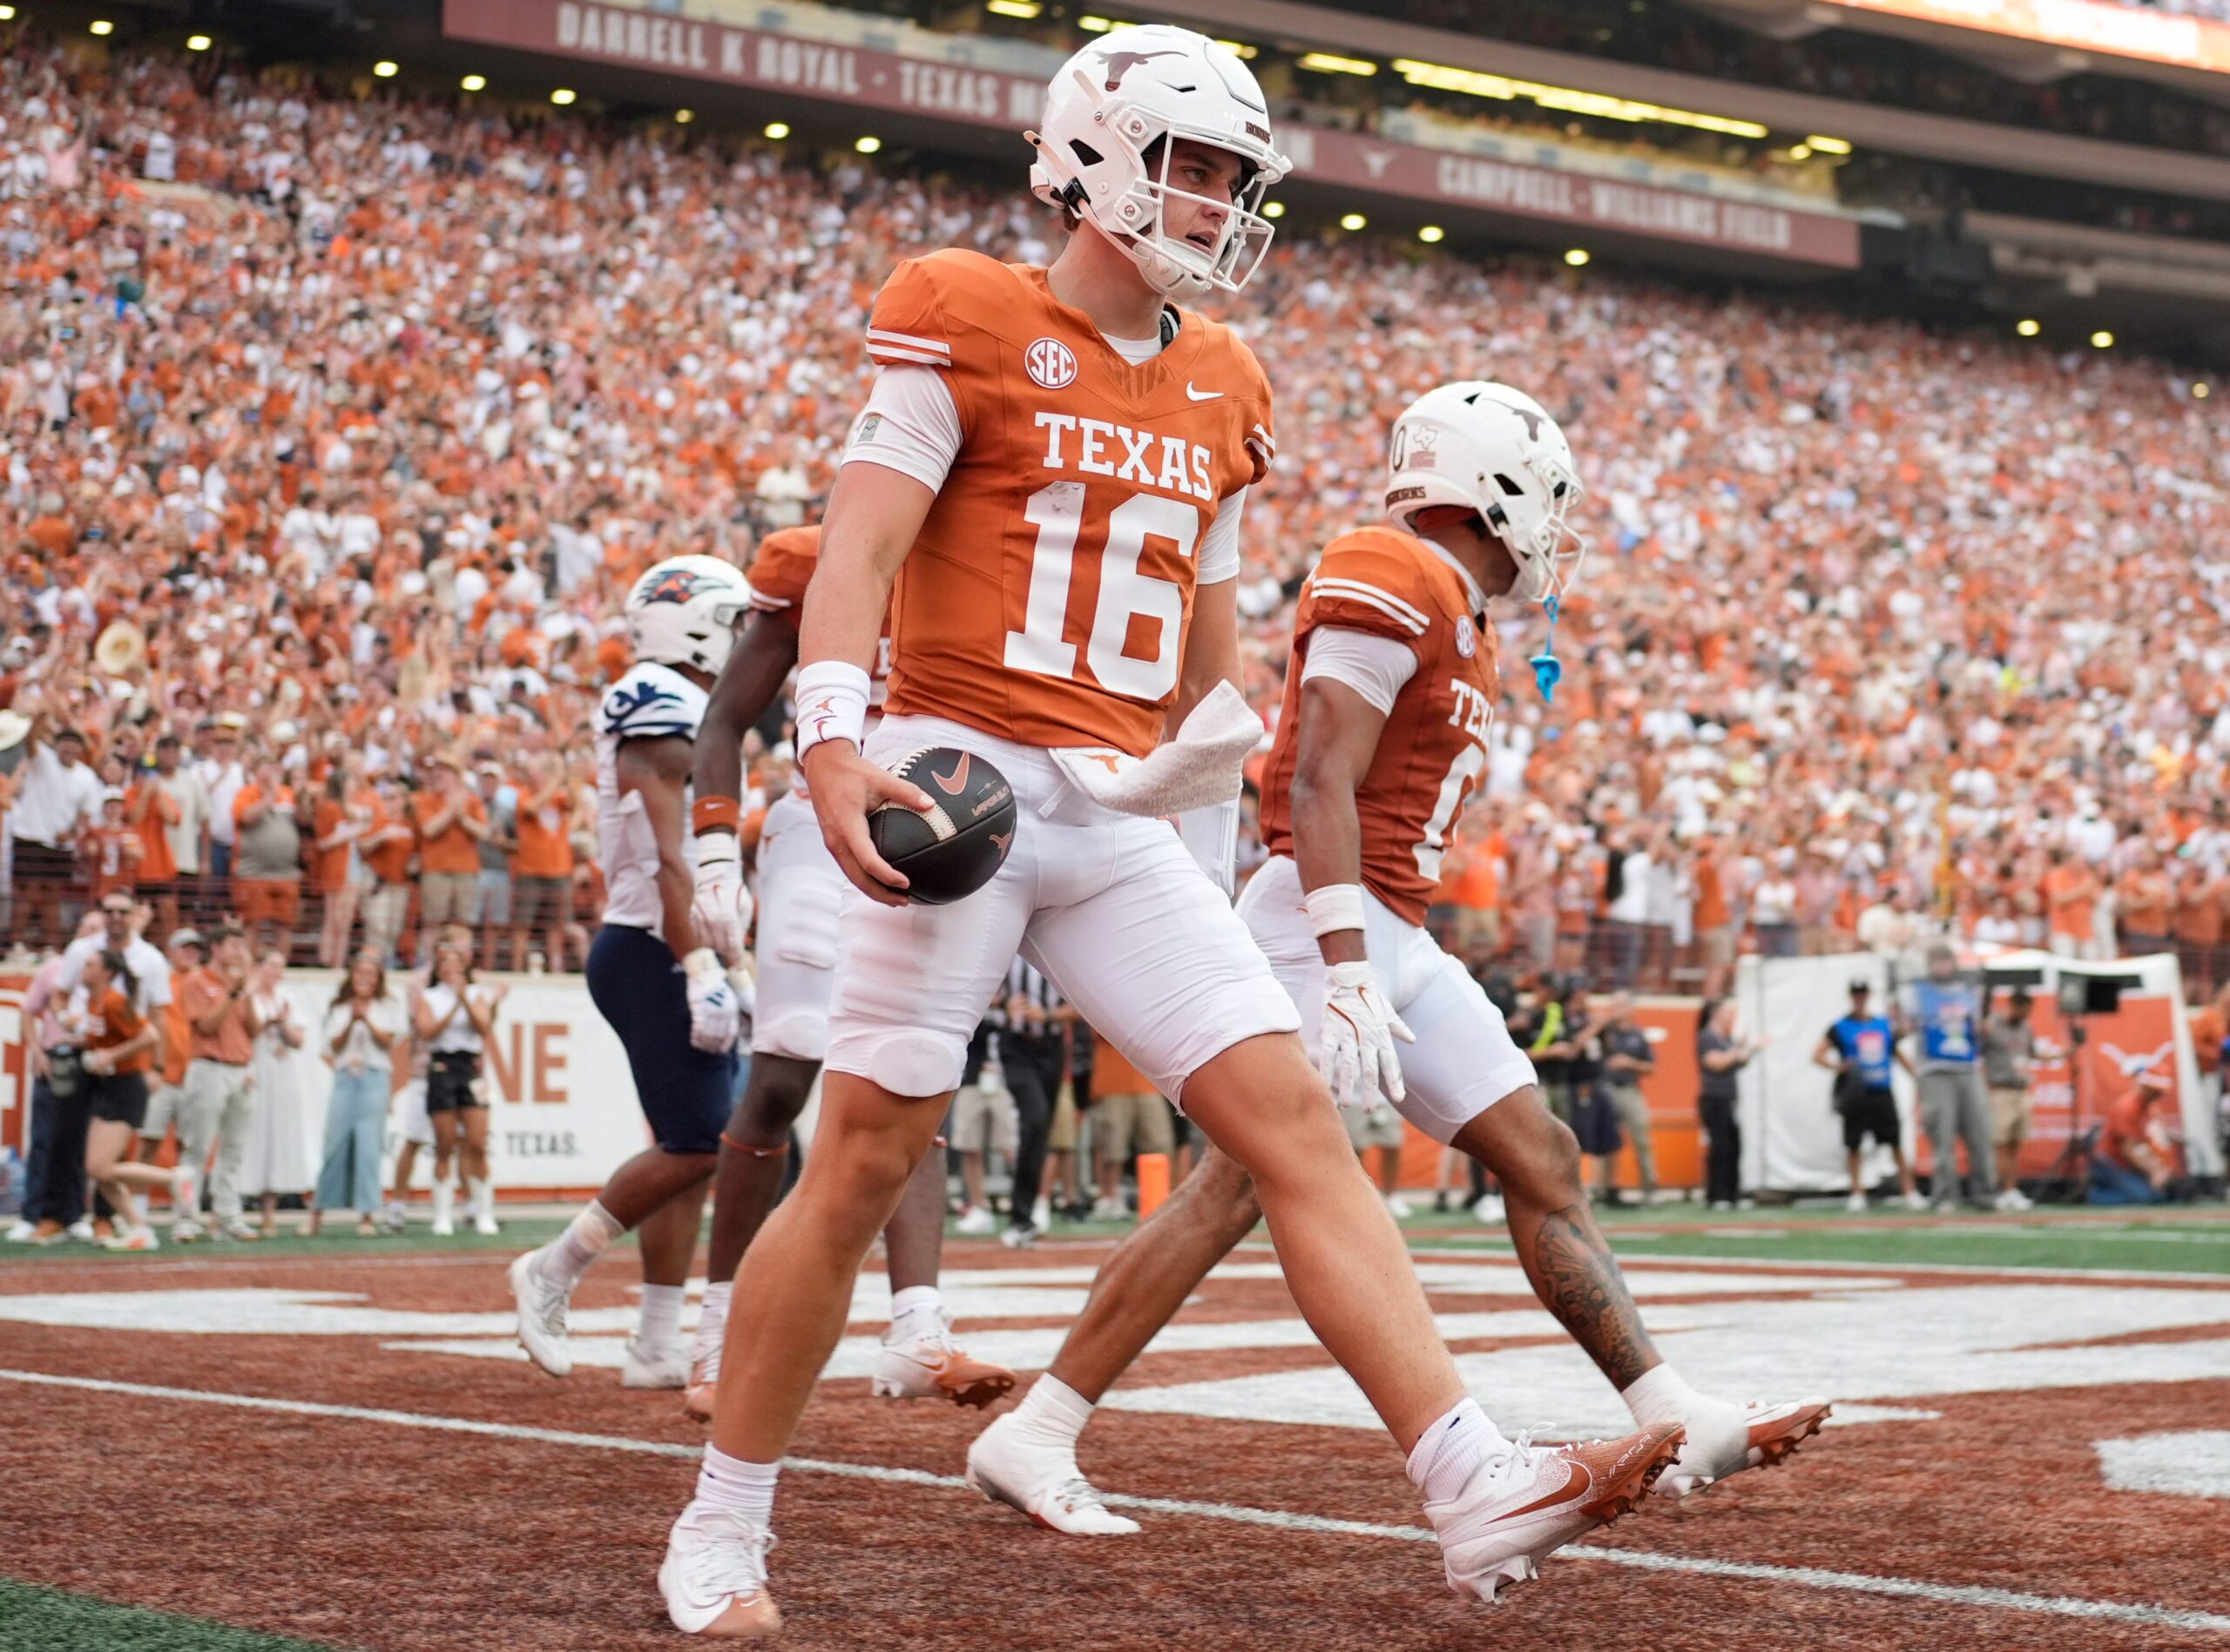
(957, 845)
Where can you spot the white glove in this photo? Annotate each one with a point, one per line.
(722, 909)
(1355, 1049)
(745, 986)
(714, 1020)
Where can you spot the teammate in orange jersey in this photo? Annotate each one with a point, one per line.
(802, 887)
(1391, 691)
(1052, 468)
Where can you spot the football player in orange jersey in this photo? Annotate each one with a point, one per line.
(789, 1029)
(1389, 699)
(1051, 468)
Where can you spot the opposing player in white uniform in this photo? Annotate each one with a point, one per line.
(801, 887)
(662, 987)
(1051, 468)
(1390, 696)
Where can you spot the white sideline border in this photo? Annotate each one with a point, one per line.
(1803, 1576)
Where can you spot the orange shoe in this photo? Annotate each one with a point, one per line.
(931, 1365)
(1762, 1434)
(1526, 1503)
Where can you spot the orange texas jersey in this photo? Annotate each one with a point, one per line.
(1046, 598)
(1432, 748)
(780, 569)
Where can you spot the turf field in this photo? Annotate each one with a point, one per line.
(333, 1444)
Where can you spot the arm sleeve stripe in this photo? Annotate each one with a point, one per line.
(1355, 590)
(760, 600)
(1264, 435)
(883, 335)
(919, 358)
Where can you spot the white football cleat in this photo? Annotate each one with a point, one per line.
(973, 1221)
(1040, 1481)
(649, 1367)
(930, 1364)
(485, 1225)
(1525, 1503)
(1762, 1434)
(1488, 1211)
(542, 1316)
(714, 1578)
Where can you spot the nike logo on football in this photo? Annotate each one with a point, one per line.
(1200, 396)
(951, 784)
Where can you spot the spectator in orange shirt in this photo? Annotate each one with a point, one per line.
(1715, 921)
(119, 1051)
(336, 870)
(2200, 898)
(152, 812)
(543, 865)
(267, 858)
(451, 820)
(2132, 1165)
(2143, 896)
(2071, 896)
(386, 849)
(111, 850)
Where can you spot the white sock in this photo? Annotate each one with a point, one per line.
(569, 1256)
(444, 1202)
(915, 1299)
(480, 1196)
(712, 1323)
(660, 1324)
(1659, 1395)
(738, 1487)
(1450, 1452)
(1052, 1413)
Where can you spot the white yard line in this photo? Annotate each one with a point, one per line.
(1801, 1576)
(1641, 1262)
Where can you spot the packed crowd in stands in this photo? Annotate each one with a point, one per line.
(333, 430)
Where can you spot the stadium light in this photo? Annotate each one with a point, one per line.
(7, 14)
(1240, 48)
(102, 26)
(1330, 63)
(867, 145)
(1828, 145)
(1092, 26)
(1353, 221)
(563, 96)
(1013, 8)
(1577, 256)
(777, 130)
(1799, 152)
(1441, 77)
(1430, 233)
(683, 117)
(1274, 209)
(474, 83)
(2201, 392)
(193, 43)
(2102, 340)
(386, 69)
(2028, 326)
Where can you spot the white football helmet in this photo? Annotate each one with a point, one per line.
(1133, 89)
(683, 611)
(1496, 451)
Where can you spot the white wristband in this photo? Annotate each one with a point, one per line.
(831, 704)
(717, 846)
(1333, 906)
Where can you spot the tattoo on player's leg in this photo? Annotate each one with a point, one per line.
(1578, 1281)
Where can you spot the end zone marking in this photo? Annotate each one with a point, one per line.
(1645, 1560)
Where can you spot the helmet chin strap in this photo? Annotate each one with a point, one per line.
(1548, 669)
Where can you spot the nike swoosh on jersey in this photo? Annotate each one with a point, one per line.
(1200, 396)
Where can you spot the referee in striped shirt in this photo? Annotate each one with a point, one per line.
(1031, 1020)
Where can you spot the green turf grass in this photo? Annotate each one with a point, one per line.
(42, 1619)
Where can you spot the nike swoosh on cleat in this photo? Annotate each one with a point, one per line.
(1200, 396)
(951, 784)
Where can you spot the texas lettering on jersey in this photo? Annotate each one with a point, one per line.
(1047, 596)
(1433, 746)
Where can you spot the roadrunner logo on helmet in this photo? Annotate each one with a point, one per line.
(1113, 115)
(683, 611)
(1496, 451)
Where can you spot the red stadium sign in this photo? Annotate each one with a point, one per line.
(874, 79)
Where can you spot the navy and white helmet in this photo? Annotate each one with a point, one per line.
(1496, 451)
(683, 611)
